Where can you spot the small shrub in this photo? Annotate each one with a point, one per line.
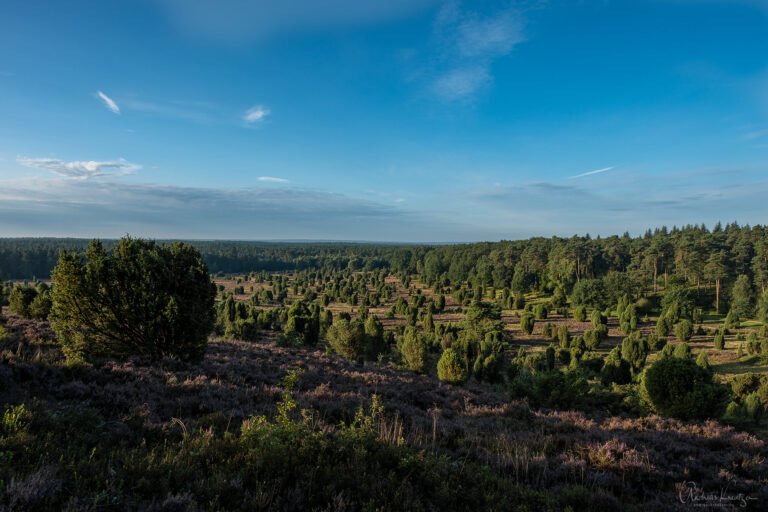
(347, 338)
(662, 327)
(684, 330)
(615, 370)
(450, 367)
(526, 323)
(703, 360)
(682, 351)
(656, 343)
(598, 319)
(489, 359)
(592, 339)
(413, 348)
(719, 341)
(753, 408)
(742, 385)
(634, 350)
(21, 299)
(628, 319)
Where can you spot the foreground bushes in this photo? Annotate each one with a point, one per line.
(170, 436)
(280, 464)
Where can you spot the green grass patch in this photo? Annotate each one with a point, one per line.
(754, 364)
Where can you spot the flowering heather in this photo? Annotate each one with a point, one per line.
(623, 461)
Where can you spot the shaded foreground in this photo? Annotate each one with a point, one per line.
(178, 436)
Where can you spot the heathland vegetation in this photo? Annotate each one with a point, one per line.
(582, 373)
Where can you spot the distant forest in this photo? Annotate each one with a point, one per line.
(702, 257)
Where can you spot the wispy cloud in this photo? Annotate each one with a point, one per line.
(272, 179)
(255, 114)
(461, 82)
(590, 173)
(82, 170)
(195, 111)
(493, 36)
(756, 134)
(469, 44)
(108, 102)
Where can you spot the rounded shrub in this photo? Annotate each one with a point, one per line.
(682, 389)
(450, 367)
(347, 338)
(684, 330)
(682, 351)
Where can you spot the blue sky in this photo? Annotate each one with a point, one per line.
(406, 120)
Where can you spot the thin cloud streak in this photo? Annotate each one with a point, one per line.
(81, 170)
(272, 179)
(185, 111)
(108, 102)
(590, 173)
(544, 208)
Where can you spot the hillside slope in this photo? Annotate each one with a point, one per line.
(124, 420)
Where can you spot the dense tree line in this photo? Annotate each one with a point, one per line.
(29, 258)
(708, 259)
